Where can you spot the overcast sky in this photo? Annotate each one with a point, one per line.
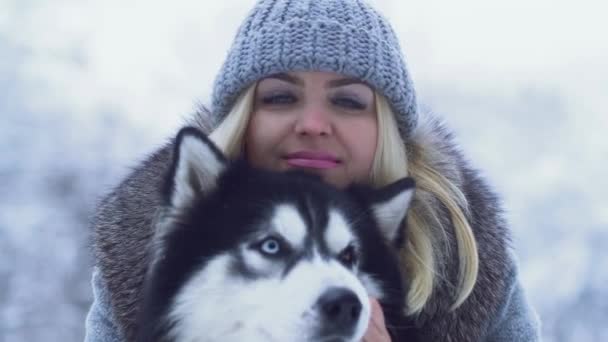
(522, 82)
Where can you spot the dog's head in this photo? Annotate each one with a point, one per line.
(241, 254)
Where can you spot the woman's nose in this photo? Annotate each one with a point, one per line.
(313, 120)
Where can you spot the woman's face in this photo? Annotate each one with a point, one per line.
(319, 122)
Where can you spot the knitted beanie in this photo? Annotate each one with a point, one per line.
(348, 37)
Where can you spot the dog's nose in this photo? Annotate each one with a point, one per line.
(340, 310)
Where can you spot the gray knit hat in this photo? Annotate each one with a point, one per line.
(343, 36)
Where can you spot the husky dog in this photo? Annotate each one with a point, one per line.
(241, 254)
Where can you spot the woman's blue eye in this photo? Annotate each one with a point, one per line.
(348, 103)
(270, 246)
(278, 99)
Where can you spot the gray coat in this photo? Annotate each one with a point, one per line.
(497, 309)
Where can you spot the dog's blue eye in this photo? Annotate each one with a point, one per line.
(270, 246)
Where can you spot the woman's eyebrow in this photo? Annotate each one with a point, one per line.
(340, 82)
(345, 81)
(286, 78)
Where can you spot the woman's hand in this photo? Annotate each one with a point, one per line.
(376, 330)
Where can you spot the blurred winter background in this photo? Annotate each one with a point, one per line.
(88, 88)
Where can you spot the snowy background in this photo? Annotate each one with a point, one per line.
(88, 88)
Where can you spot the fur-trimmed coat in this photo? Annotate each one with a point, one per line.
(496, 310)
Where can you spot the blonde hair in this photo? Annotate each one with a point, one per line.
(425, 228)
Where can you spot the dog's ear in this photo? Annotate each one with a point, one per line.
(390, 204)
(197, 165)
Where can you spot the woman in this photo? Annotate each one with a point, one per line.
(328, 76)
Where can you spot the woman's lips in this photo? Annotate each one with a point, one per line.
(312, 159)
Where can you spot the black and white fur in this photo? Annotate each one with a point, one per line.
(240, 254)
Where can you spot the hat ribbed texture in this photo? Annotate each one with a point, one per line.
(343, 36)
